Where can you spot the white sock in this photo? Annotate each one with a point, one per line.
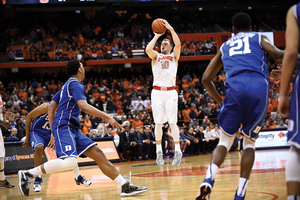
(2, 177)
(177, 147)
(293, 197)
(120, 180)
(242, 186)
(76, 172)
(158, 148)
(37, 171)
(211, 172)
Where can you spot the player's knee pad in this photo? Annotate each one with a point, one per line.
(70, 162)
(292, 172)
(1, 164)
(248, 143)
(226, 141)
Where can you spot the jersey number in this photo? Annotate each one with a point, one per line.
(165, 64)
(46, 125)
(237, 49)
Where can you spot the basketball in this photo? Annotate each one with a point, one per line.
(158, 27)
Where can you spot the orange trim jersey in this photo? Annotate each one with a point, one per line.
(164, 70)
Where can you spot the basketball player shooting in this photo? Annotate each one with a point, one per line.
(164, 97)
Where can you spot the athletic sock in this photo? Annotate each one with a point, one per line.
(177, 147)
(36, 171)
(158, 148)
(211, 172)
(120, 180)
(76, 172)
(242, 186)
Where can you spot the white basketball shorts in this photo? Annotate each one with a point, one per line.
(164, 106)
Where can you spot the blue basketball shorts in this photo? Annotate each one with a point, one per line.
(246, 103)
(70, 142)
(37, 138)
(293, 135)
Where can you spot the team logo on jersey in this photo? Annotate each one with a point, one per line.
(68, 148)
(170, 58)
(44, 1)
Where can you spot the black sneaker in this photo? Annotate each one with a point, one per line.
(128, 189)
(6, 184)
(83, 181)
(25, 179)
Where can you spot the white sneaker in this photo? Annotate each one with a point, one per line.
(159, 158)
(177, 158)
(83, 181)
(37, 187)
(87, 182)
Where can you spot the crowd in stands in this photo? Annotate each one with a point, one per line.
(67, 47)
(127, 98)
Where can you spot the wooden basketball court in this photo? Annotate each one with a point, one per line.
(168, 182)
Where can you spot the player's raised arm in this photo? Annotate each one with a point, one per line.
(38, 111)
(176, 40)
(210, 72)
(149, 49)
(273, 51)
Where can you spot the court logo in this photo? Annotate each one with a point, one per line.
(68, 148)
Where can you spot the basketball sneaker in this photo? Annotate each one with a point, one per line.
(37, 187)
(160, 158)
(205, 189)
(128, 189)
(25, 179)
(177, 158)
(83, 181)
(6, 184)
(237, 197)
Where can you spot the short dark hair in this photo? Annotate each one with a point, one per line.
(72, 67)
(241, 21)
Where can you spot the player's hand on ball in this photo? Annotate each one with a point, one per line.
(158, 34)
(167, 25)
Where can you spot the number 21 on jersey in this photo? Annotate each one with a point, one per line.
(240, 46)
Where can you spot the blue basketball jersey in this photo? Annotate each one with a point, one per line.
(243, 53)
(41, 125)
(66, 98)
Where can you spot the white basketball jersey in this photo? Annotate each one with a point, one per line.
(1, 108)
(164, 70)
